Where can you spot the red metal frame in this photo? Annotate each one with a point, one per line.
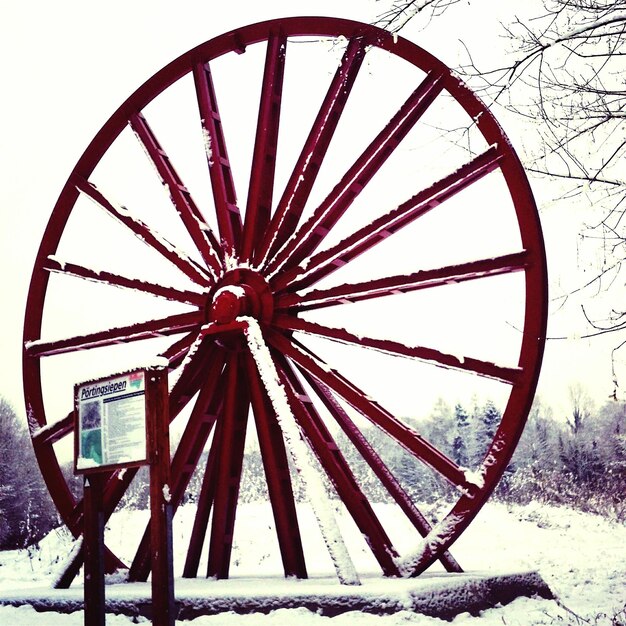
(279, 484)
(266, 265)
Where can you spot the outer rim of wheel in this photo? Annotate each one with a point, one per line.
(533, 340)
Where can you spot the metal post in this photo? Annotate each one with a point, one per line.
(157, 415)
(93, 549)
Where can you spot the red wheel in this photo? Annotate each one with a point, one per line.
(373, 267)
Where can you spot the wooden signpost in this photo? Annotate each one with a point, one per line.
(123, 421)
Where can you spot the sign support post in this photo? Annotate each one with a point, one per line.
(157, 416)
(93, 547)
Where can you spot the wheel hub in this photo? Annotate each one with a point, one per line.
(228, 303)
(241, 291)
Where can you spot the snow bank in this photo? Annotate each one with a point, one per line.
(580, 556)
(442, 596)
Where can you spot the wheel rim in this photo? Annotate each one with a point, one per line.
(251, 264)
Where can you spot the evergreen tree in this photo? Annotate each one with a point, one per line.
(538, 444)
(462, 436)
(406, 471)
(439, 428)
(486, 425)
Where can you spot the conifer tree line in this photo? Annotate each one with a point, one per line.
(578, 460)
(27, 512)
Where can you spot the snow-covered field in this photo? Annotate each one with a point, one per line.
(582, 557)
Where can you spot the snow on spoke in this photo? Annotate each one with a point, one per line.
(278, 478)
(338, 470)
(440, 536)
(289, 210)
(144, 233)
(404, 283)
(174, 324)
(325, 216)
(73, 556)
(50, 433)
(301, 454)
(224, 195)
(177, 351)
(194, 222)
(327, 261)
(53, 264)
(189, 375)
(509, 375)
(181, 380)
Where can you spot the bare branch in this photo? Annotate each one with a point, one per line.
(566, 78)
(402, 12)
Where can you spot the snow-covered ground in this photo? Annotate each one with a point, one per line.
(582, 557)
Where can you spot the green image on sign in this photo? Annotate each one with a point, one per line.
(91, 445)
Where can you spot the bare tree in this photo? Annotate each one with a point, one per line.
(566, 77)
(568, 74)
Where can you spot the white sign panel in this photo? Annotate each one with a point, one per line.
(111, 421)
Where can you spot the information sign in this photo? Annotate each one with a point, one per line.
(110, 422)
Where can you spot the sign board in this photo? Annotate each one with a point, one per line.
(110, 422)
(121, 421)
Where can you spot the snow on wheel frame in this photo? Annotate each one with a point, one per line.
(262, 264)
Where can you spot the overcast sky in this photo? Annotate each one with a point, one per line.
(66, 66)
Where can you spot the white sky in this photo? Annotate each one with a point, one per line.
(66, 66)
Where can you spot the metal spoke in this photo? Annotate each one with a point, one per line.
(509, 375)
(405, 436)
(367, 237)
(186, 457)
(203, 510)
(290, 207)
(144, 233)
(260, 191)
(230, 460)
(275, 464)
(224, 196)
(52, 264)
(404, 283)
(378, 466)
(322, 443)
(191, 376)
(178, 350)
(315, 229)
(198, 429)
(192, 218)
(301, 455)
(174, 324)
